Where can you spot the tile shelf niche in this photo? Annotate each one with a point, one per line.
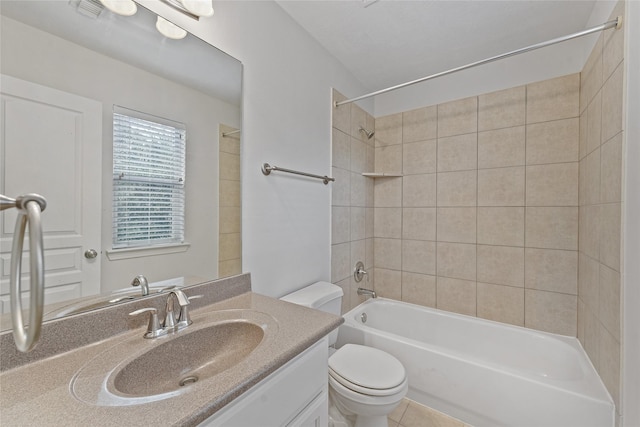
(381, 175)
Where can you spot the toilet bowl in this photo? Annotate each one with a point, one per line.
(364, 382)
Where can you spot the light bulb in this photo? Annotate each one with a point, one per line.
(121, 7)
(169, 29)
(202, 8)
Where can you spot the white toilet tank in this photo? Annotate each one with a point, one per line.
(322, 296)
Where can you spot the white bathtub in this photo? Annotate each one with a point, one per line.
(484, 373)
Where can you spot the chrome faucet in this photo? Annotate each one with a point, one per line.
(141, 281)
(172, 323)
(363, 291)
(182, 320)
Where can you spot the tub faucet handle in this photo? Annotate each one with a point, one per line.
(359, 272)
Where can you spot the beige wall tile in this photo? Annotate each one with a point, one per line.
(591, 75)
(553, 142)
(552, 185)
(609, 364)
(369, 186)
(553, 99)
(456, 225)
(609, 300)
(230, 267)
(552, 227)
(501, 303)
(551, 270)
(501, 109)
(419, 223)
(418, 256)
(369, 222)
(592, 337)
(358, 223)
(340, 149)
(229, 144)
(388, 192)
(419, 124)
(458, 152)
(389, 159)
(419, 289)
(229, 166)
(589, 226)
(358, 156)
(594, 123)
(388, 130)
(502, 147)
(457, 188)
(611, 170)
(501, 186)
(581, 309)
(388, 283)
(551, 312)
(230, 193)
(501, 265)
(613, 49)
(346, 297)
(590, 178)
(358, 195)
(340, 224)
(341, 187)
(419, 190)
(458, 117)
(456, 295)
(501, 226)
(341, 116)
(456, 260)
(230, 246)
(371, 124)
(388, 223)
(358, 119)
(340, 262)
(583, 135)
(610, 235)
(387, 253)
(612, 95)
(588, 283)
(369, 252)
(370, 159)
(357, 253)
(419, 157)
(230, 219)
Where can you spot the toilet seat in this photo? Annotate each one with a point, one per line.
(367, 370)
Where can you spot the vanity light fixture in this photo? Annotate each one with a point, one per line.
(195, 9)
(121, 7)
(169, 29)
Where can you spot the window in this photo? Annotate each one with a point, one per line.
(148, 180)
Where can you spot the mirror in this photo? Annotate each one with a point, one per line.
(64, 70)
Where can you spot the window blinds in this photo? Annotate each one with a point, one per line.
(148, 180)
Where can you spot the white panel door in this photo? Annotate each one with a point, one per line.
(50, 144)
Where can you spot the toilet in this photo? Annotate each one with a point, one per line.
(364, 382)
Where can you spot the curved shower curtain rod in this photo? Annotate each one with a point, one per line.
(617, 23)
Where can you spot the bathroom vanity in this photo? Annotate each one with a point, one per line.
(268, 366)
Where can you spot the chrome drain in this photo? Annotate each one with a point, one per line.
(188, 380)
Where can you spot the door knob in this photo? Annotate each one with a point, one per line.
(90, 253)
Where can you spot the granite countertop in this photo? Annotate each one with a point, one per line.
(41, 393)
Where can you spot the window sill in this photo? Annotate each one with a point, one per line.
(127, 253)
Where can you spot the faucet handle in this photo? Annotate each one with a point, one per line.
(153, 329)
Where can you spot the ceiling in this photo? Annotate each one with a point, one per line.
(387, 42)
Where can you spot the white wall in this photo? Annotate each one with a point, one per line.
(287, 122)
(546, 63)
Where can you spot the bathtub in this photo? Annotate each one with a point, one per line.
(482, 372)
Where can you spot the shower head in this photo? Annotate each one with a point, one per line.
(366, 132)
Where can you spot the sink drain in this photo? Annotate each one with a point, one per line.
(188, 380)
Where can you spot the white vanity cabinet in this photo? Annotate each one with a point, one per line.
(294, 395)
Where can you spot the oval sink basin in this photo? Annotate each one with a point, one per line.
(188, 358)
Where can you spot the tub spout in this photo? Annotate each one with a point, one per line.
(363, 291)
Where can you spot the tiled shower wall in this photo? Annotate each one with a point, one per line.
(230, 238)
(352, 199)
(484, 221)
(601, 205)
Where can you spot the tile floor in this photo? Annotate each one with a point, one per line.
(412, 414)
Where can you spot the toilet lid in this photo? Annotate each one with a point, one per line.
(367, 367)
